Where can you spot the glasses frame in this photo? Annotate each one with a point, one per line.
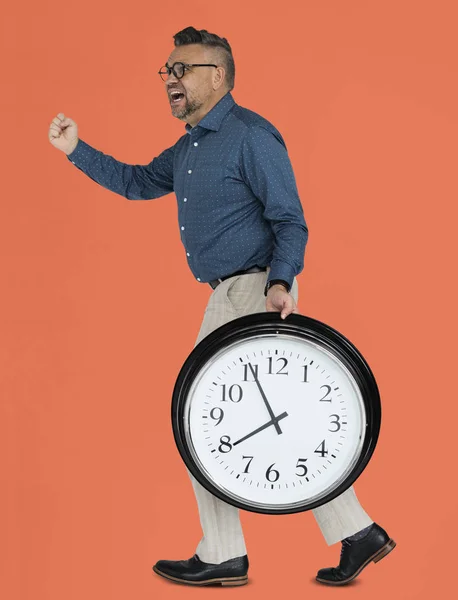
(185, 68)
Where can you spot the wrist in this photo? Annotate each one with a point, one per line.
(277, 282)
(73, 148)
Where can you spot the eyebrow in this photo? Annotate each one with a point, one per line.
(175, 61)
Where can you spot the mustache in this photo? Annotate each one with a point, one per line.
(175, 88)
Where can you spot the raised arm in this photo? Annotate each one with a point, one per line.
(134, 182)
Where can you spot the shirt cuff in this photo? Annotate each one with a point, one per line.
(82, 155)
(281, 270)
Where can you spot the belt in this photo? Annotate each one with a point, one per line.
(215, 283)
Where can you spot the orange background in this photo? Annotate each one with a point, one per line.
(99, 310)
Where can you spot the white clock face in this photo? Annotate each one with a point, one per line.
(275, 421)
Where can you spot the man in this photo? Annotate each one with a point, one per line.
(244, 233)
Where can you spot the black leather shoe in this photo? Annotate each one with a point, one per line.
(356, 555)
(195, 572)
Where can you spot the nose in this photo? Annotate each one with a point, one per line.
(171, 78)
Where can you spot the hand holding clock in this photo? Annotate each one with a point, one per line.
(279, 299)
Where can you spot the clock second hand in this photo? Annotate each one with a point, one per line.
(266, 402)
(274, 421)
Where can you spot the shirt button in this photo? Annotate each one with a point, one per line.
(187, 254)
(185, 199)
(182, 229)
(198, 279)
(190, 171)
(73, 161)
(196, 144)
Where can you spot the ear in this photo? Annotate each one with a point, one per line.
(218, 78)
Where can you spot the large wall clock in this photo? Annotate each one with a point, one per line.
(276, 416)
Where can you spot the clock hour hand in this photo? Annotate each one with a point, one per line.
(266, 402)
(274, 421)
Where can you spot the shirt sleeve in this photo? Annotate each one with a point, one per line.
(267, 170)
(134, 182)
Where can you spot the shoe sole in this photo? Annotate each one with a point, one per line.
(384, 550)
(223, 581)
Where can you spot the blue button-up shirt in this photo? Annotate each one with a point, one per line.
(238, 204)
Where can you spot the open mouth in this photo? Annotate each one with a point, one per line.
(176, 97)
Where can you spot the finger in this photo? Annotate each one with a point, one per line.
(54, 132)
(287, 308)
(62, 121)
(58, 120)
(270, 306)
(276, 307)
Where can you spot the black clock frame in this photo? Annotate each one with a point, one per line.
(271, 323)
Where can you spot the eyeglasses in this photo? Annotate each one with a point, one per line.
(178, 69)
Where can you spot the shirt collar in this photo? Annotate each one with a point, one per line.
(215, 116)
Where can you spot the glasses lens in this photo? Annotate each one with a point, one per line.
(179, 69)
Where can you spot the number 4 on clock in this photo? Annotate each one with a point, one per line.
(322, 449)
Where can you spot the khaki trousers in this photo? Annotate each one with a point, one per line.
(222, 531)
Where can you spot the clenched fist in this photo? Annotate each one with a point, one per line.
(63, 133)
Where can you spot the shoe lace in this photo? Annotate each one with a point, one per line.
(345, 544)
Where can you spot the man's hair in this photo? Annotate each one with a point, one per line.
(190, 35)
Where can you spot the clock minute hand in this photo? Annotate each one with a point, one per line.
(266, 402)
(265, 426)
